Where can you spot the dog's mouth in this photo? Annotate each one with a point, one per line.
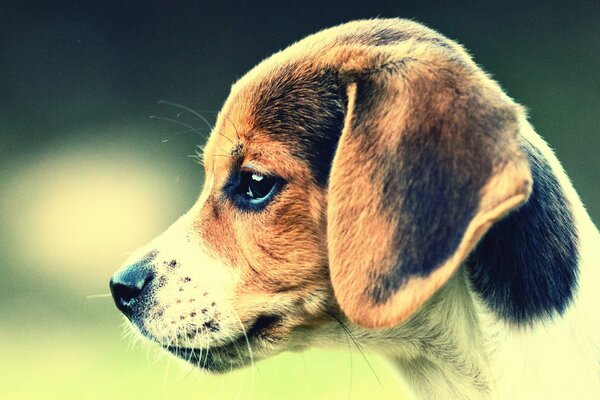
(235, 354)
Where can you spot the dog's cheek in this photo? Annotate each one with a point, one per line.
(284, 247)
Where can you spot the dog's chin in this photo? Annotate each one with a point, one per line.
(257, 342)
(217, 360)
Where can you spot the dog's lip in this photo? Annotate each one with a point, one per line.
(177, 350)
(199, 357)
(261, 323)
(186, 351)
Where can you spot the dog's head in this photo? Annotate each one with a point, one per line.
(347, 177)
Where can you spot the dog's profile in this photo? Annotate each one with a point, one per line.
(371, 177)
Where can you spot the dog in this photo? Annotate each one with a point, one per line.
(372, 180)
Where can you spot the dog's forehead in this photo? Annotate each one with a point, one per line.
(293, 108)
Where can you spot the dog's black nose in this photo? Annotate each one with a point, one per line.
(127, 285)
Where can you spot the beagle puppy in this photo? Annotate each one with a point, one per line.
(372, 180)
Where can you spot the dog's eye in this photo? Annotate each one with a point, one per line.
(257, 186)
(255, 189)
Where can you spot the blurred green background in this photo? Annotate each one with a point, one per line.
(86, 175)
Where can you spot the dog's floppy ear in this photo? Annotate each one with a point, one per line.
(428, 159)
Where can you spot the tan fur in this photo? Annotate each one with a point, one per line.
(287, 253)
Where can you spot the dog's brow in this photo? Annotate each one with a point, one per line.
(237, 150)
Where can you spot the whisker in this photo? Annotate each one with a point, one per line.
(192, 129)
(228, 119)
(191, 111)
(237, 316)
(206, 353)
(195, 157)
(169, 343)
(176, 122)
(159, 355)
(198, 329)
(192, 354)
(220, 134)
(97, 296)
(351, 369)
(197, 114)
(234, 127)
(176, 134)
(358, 346)
(240, 384)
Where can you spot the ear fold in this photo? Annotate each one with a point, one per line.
(428, 159)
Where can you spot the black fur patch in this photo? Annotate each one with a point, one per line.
(525, 268)
(435, 206)
(304, 111)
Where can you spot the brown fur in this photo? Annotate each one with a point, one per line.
(412, 83)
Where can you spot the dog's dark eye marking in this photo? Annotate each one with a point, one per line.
(252, 190)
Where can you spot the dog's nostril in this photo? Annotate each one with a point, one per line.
(127, 286)
(125, 293)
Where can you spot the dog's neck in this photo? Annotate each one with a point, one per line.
(441, 350)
